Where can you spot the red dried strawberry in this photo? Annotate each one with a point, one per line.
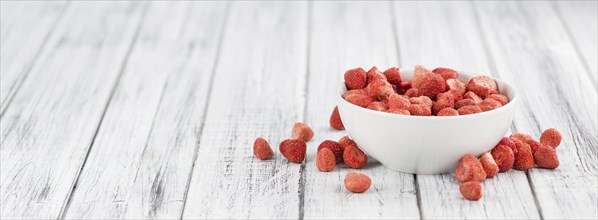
(482, 86)
(471, 190)
(545, 157)
(470, 169)
(334, 147)
(293, 149)
(345, 141)
(378, 106)
(490, 166)
(355, 78)
(325, 160)
(446, 73)
(261, 149)
(551, 137)
(396, 101)
(335, 120)
(354, 157)
(524, 159)
(504, 157)
(393, 76)
(509, 143)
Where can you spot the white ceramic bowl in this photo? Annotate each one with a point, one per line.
(426, 145)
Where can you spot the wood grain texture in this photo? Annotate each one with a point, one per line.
(446, 34)
(25, 27)
(139, 165)
(47, 131)
(581, 23)
(257, 92)
(346, 35)
(554, 91)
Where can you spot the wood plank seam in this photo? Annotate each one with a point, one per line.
(14, 89)
(303, 114)
(584, 62)
(208, 101)
(494, 69)
(112, 91)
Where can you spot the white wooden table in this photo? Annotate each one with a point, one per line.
(149, 109)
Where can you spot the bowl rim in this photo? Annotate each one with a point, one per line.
(342, 88)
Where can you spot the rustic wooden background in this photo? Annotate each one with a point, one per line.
(149, 109)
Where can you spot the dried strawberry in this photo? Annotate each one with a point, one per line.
(499, 97)
(470, 169)
(359, 100)
(524, 159)
(345, 141)
(374, 74)
(490, 166)
(489, 104)
(546, 157)
(335, 120)
(534, 145)
(378, 106)
(355, 78)
(433, 85)
(457, 85)
(398, 111)
(470, 95)
(504, 157)
(471, 190)
(551, 137)
(325, 160)
(446, 73)
(463, 102)
(302, 132)
(444, 100)
(448, 112)
(261, 149)
(334, 147)
(354, 157)
(293, 150)
(393, 76)
(357, 182)
(422, 100)
(509, 143)
(469, 109)
(354, 91)
(398, 102)
(420, 110)
(482, 86)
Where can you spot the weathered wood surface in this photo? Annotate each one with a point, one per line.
(26, 26)
(139, 164)
(581, 23)
(258, 91)
(149, 109)
(555, 91)
(446, 34)
(51, 122)
(346, 35)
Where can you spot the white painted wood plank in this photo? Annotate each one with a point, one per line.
(532, 49)
(346, 35)
(24, 27)
(446, 34)
(47, 131)
(139, 165)
(581, 22)
(257, 92)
